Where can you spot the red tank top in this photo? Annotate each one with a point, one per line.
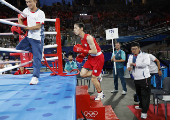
(25, 71)
(86, 45)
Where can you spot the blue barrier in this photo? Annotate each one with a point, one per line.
(164, 74)
(169, 71)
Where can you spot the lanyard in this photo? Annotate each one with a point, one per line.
(70, 64)
(117, 52)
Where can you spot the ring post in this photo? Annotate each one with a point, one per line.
(114, 55)
(59, 49)
(112, 34)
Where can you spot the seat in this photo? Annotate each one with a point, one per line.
(79, 65)
(79, 78)
(165, 98)
(88, 79)
(164, 91)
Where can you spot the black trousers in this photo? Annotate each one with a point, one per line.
(143, 90)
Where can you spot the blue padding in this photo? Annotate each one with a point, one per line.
(52, 99)
(131, 38)
(51, 2)
(164, 74)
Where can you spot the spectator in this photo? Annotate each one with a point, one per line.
(16, 59)
(21, 71)
(1, 57)
(119, 58)
(70, 65)
(7, 65)
(64, 58)
(1, 67)
(138, 64)
(168, 40)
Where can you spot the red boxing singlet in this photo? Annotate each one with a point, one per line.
(86, 45)
(95, 62)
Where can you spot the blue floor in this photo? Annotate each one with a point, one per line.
(52, 99)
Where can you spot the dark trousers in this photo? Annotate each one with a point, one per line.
(120, 73)
(143, 90)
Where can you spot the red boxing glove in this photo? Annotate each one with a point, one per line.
(16, 30)
(80, 57)
(78, 48)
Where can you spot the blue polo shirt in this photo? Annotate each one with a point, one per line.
(70, 66)
(118, 56)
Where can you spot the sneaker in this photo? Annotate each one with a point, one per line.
(143, 115)
(99, 78)
(114, 91)
(138, 108)
(34, 81)
(99, 96)
(124, 92)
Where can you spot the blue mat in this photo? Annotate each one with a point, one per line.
(53, 98)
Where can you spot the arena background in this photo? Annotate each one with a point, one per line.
(144, 21)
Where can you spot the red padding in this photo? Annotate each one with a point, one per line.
(52, 55)
(15, 54)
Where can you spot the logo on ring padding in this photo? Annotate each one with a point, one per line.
(90, 113)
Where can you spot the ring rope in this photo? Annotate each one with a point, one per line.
(16, 66)
(12, 7)
(19, 25)
(45, 33)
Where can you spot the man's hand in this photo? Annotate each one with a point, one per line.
(26, 28)
(114, 60)
(129, 68)
(37, 27)
(159, 72)
(132, 64)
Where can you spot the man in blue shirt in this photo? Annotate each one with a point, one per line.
(119, 58)
(70, 65)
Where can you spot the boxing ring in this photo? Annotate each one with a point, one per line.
(52, 98)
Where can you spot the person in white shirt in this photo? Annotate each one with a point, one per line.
(138, 64)
(155, 69)
(35, 39)
(1, 67)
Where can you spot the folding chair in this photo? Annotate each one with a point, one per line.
(164, 91)
(165, 98)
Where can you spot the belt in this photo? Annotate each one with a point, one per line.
(99, 53)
